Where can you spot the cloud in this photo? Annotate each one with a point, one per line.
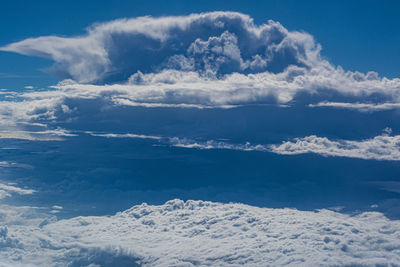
(382, 147)
(187, 142)
(201, 233)
(56, 134)
(364, 107)
(202, 61)
(214, 43)
(6, 190)
(7, 164)
(217, 59)
(173, 88)
(213, 144)
(128, 135)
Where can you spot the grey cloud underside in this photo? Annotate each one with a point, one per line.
(200, 233)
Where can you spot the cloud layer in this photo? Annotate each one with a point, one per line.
(364, 107)
(215, 59)
(382, 147)
(202, 233)
(203, 61)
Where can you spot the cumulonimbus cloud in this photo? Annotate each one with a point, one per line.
(208, 60)
(215, 59)
(213, 43)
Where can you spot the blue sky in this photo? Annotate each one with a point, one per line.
(209, 125)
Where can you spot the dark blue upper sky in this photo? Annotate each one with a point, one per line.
(358, 35)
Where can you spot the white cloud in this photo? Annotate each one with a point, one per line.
(6, 190)
(128, 135)
(210, 60)
(201, 233)
(172, 88)
(216, 42)
(56, 134)
(127, 102)
(382, 147)
(217, 59)
(213, 144)
(364, 107)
